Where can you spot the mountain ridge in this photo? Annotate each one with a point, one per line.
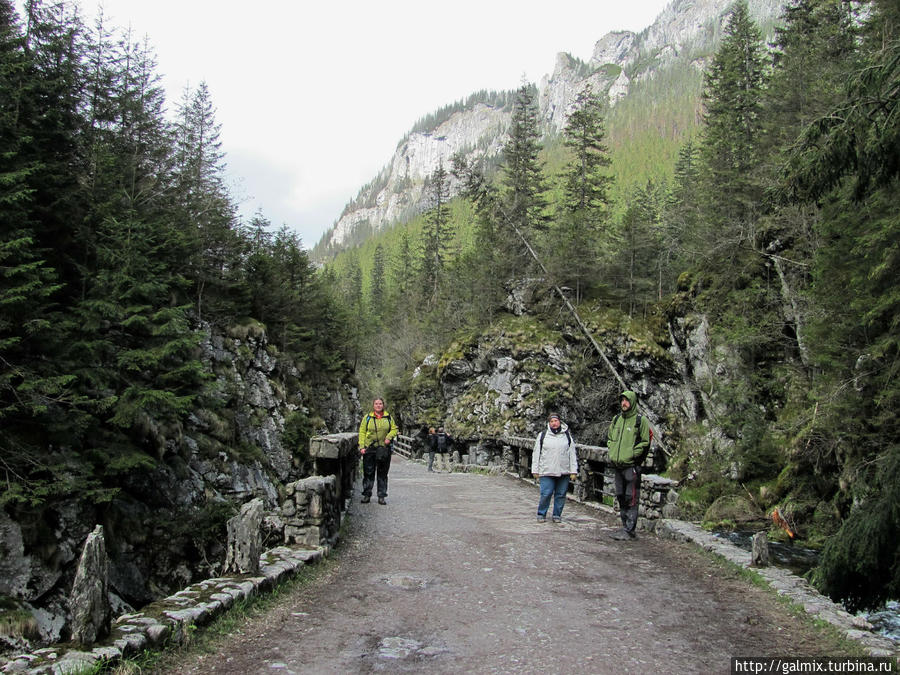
(685, 32)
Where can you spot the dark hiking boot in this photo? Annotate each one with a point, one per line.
(621, 535)
(382, 500)
(365, 499)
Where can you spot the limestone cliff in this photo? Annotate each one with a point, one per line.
(687, 31)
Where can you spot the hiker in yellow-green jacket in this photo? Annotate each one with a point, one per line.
(628, 442)
(376, 431)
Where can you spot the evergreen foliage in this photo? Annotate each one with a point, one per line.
(732, 124)
(522, 199)
(586, 182)
(119, 242)
(435, 234)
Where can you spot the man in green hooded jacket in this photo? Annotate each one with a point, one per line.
(628, 442)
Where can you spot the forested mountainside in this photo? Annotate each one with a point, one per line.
(750, 298)
(651, 81)
(161, 361)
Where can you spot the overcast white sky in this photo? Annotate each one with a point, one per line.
(314, 96)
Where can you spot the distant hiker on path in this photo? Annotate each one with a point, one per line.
(553, 463)
(439, 444)
(376, 431)
(628, 441)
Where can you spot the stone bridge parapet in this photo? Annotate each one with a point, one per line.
(337, 455)
(594, 483)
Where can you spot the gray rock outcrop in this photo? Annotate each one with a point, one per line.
(232, 450)
(90, 593)
(245, 539)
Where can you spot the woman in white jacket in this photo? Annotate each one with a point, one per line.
(553, 463)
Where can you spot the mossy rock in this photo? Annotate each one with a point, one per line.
(733, 508)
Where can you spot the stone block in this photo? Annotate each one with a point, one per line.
(158, 633)
(245, 539)
(759, 552)
(315, 506)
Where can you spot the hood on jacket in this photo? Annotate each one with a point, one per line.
(562, 428)
(632, 399)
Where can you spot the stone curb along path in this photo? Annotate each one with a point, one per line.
(786, 584)
(170, 620)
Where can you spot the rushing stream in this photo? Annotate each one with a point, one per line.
(800, 560)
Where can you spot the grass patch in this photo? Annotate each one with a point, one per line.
(840, 643)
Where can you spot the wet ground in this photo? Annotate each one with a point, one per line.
(454, 575)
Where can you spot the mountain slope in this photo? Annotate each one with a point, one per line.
(654, 77)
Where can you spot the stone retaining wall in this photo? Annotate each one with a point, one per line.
(309, 519)
(311, 512)
(167, 621)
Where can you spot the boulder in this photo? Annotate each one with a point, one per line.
(89, 602)
(244, 539)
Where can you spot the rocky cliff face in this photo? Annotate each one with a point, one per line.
(400, 192)
(687, 30)
(506, 380)
(166, 526)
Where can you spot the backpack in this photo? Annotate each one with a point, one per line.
(441, 442)
(544, 433)
(541, 444)
(370, 417)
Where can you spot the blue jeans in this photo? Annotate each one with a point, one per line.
(556, 487)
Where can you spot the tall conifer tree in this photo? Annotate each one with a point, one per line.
(435, 234)
(586, 185)
(732, 100)
(522, 197)
(208, 215)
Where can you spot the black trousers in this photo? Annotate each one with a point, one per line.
(373, 465)
(628, 494)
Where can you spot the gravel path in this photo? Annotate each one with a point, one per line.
(454, 575)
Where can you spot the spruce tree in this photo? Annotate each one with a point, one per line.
(682, 242)
(377, 290)
(206, 210)
(847, 161)
(639, 247)
(400, 270)
(522, 199)
(481, 280)
(586, 185)
(435, 234)
(52, 120)
(732, 125)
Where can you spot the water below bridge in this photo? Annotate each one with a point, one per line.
(454, 575)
